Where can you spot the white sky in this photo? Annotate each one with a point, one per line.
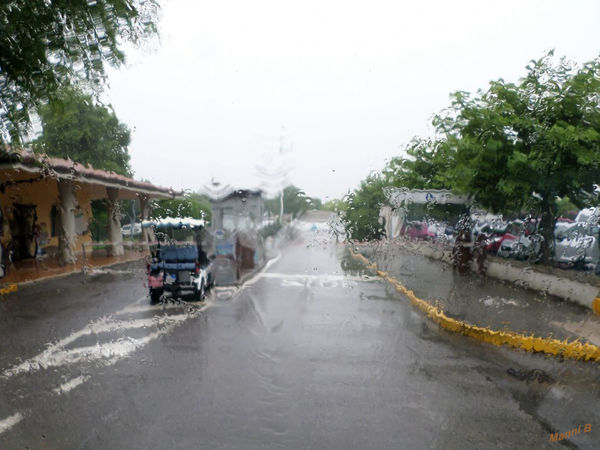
(349, 82)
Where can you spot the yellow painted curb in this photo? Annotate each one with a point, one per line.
(550, 346)
(8, 289)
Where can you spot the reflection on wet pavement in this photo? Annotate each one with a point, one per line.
(313, 353)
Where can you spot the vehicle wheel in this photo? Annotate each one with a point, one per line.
(199, 293)
(155, 295)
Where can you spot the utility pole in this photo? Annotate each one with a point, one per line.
(282, 187)
(273, 171)
(281, 207)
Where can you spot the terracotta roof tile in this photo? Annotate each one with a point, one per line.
(68, 167)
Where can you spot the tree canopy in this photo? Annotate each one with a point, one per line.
(295, 202)
(513, 147)
(362, 209)
(75, 127)
(523, 145)
(427, 165)
(48, 45)
(334, 205)
(192, 205)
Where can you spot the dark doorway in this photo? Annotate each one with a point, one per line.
(22, 226)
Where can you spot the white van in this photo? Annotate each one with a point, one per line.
(588, 215)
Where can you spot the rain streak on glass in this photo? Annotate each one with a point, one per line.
(312, 225)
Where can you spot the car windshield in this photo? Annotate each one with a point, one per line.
(580, 230)
(299, 224)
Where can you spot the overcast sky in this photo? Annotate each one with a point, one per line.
(347, 84)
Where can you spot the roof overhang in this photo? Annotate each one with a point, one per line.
(64, 169)
(236, 193)
(402, 197)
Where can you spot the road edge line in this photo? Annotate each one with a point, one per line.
(570, 350)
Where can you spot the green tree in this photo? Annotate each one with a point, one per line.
(565, 208)
(427, 165)
(335, 205)
(99, 222)
(192, 205)
(518, 146)
(314, 203)
(47, 45)
(362, 209)
(295, 202)
(75, 127)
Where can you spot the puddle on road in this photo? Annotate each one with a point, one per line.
(498, 302)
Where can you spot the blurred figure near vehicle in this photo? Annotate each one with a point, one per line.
(479, 252)
(461, 252)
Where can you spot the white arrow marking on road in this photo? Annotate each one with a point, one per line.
(71, 384)
(55, 355)
(10, 422)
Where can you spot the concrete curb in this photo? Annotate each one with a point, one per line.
(12, 287)
(578, 292)
(60, 275)
(570, 350)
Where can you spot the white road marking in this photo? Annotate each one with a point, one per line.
(71, 384)
(158, 307)
(317, 277)
(225, 292)
(55, 355)
(292, 283)
(100, 271)
(10, 422)
(256, 277)
(303, 277)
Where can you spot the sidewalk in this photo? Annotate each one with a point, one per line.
(32, 270)
(484, 301)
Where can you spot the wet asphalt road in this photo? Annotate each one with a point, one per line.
(312, 353)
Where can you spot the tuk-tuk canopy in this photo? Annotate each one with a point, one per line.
(174, 223)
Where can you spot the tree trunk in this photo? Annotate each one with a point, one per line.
(547, 223)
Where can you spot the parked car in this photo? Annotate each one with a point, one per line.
(588, 215)
(128, 230)
(525, 244)
(578, 247)
(500, 232)
(441, 231)
(563, 224)
(417, 230)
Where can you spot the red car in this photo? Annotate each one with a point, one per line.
(497, 235)
(417, 230)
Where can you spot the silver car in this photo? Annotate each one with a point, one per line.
(578, 247)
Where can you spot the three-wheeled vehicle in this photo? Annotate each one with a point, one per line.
(178, 265)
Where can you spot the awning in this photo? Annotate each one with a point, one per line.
(174, 223)
(65, 169)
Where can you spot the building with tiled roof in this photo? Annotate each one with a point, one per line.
(45, 204)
